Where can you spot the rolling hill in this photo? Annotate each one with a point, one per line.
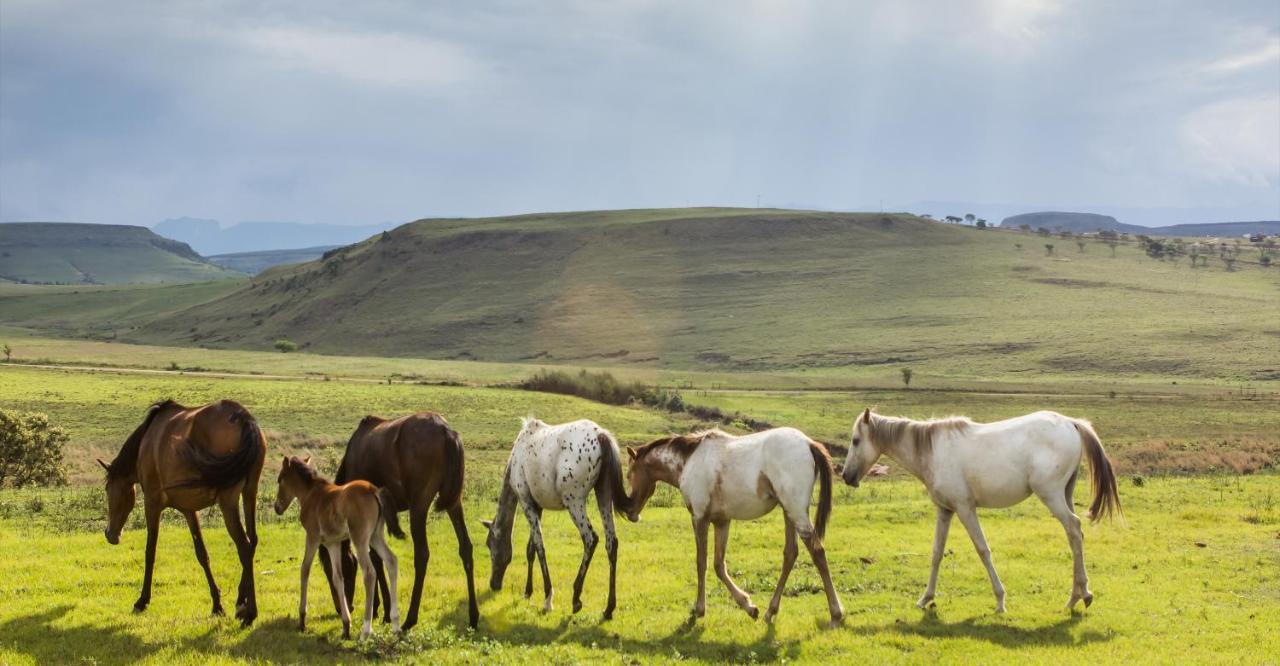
(1090, 222)
(210, 238)
(256, 262)
(65, 253)
(738, 289)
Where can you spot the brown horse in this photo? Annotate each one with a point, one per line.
(188, 459)
(334, 514)
(413, 459)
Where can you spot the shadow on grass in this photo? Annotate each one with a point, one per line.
(37, 637)
(993, 631)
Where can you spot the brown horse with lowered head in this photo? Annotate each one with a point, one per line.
(414, 459)
(189, 459)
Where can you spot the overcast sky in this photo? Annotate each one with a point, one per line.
(374, 111)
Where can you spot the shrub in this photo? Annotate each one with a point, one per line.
(906, 376)
(30, 450)
(286, 346)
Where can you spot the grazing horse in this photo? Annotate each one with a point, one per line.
(414, 459)
(189, 459)
(967, 465)
(556, 467)
(332, 515)
(724, 478)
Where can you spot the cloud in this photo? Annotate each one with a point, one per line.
(1235, 141)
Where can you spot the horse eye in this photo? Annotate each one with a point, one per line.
(856, 440)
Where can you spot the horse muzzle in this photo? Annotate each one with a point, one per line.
(113, 539)
(851, 479)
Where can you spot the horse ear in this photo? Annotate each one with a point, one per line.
(487, 523)
(307, 460)
(631, 453)
(866, 415)
(104, 465)
(284, 461)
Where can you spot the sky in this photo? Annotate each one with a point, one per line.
(359, 113)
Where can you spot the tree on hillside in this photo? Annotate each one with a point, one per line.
(1112, 243)
(286, 346)
(1017, 246)
(906, 377)
(970, 217)
(1024, 227)
(8, 352)
(31, 450)
(1080, 244)
(982, 224)
(1042, 231)
(1048, 249)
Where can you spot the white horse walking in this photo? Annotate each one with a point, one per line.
(967, 465)
(556, 467)
(724, 478)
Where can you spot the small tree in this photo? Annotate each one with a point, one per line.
(906, 377)
(1080, 244)
(286, 346)
(30, 450)
(970, 217)
(8, 352)
(1112, 243)
(1048, 249)
(982, 224)
(1024, 227)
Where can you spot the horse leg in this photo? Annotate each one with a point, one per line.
(969, 517)
(798, 512)
(361, 543)
(578, 511)
(700, 540)
(939, 549)
(313, 543)
(1061, 509)
(789, 552)
(722, 572)
(468, 565)
(153, 510)
(379, 590)
(421, 556)
(202, 556)
(384, 553)
(337, 584)
(246, 610)
(534, 516)
(328, 569)
(530, 553)
(611, 548)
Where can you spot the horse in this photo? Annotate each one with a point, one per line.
(725, 478)
(967, 465)
(190, 459)
(556, 467)
(414, 459)
(334, 514)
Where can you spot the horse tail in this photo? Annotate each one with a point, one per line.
(222, 472)
(1106, 497)
(822, 459)
(610, 479)
(454, 472)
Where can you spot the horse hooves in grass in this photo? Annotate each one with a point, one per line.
(577, 605)
(140, 606)
(218, 612)
(1088, 600)
(753, 612)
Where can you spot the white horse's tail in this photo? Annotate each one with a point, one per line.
(1106, 497)
(822, 461)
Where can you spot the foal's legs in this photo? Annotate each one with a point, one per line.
(202, 556)
(700, 538)
(969, 517)
(361, 544)
(577, 507)
(610, 547)
(1061, 508)
(379, 545)
(789, 553)
(153, 510)
(313, 544)
(533, 515)
(334, 555)
(722, 572)
(939, 549)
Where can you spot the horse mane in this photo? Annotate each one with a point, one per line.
(921, 433)
(681, 445)
(308, 472)
(366, 423)
(125, 463)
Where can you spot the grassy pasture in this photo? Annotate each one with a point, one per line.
(1161, 597)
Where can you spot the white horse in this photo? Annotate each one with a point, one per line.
(556, 467)
(967, 465)
(724, 478)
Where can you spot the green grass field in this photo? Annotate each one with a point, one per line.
(1191, 575)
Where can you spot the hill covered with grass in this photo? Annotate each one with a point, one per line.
(256, 262)
(65, 253)
(736, 289)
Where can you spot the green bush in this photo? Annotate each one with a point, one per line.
(286, 346)
(30, 450)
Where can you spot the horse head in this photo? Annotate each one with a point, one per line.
(121, 497)
(864, 451)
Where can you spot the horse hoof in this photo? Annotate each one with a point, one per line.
(608, 615)
(218, 612)
(753, 612)
(140, 606)
(577, 605)
(408, 624)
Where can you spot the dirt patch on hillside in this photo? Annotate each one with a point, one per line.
(1099, 363)
(1074, 283)
(1237, 456)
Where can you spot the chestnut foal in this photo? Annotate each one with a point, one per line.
(332, 514)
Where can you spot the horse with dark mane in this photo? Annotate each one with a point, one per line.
(414, 459)
(189, 459)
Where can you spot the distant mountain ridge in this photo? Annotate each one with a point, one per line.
(74, 253)
(209, 237)
(256, 262)
(1090, 222)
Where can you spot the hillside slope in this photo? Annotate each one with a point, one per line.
(65, 253)
(1091, 222)
(728, 289)
(256, 262)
